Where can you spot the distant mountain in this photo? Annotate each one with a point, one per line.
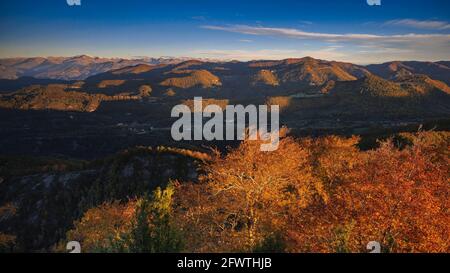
(200, 78)
(422, 84)
(437, 71)
(233, 79)
(304, 71)
(446, 63)
(59, 97)
(8, 85)
(373, 96)
(70, 68)
(345, 86)
(374, 87)
(265, 77)
(312, 72)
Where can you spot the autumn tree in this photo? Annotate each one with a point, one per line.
(145, 90)
(324, 195)
(7, 240)
(243, 196)
(310, 195)
(396, 197)
(153, 230)
(101, 227)
(141, 225)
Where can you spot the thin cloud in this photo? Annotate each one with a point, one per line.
(426, 24)
(358, 47)
(237, 54)
(199, 18)
(296, 33)
(270, 54)
(305, 22)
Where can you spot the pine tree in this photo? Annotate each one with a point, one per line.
(153, 230)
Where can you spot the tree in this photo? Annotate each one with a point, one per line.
(396, 197)
(324, 195)
(145, 90)
(7, 241)
(310, 195)
(142, 225)
(100, 228)
(243, 195)
(153, 230)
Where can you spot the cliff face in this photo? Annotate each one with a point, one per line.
(50, 194)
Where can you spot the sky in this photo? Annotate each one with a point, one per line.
(341, 30)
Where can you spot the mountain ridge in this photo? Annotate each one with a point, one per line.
(81, 67)
(72, 68)
(435, 70)
(252, 81)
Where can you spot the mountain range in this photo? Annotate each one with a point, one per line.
(131, 105)
(70, 68)
(84, 66)
(255, 81)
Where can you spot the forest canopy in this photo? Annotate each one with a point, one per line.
(311, 195)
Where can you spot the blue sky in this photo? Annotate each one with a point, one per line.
(345, 30)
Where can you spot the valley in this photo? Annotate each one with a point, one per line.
(70, 144)
(109, 111)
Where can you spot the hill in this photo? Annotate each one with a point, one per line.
(234, 79)
(59, 97)
(265, 77)
(56, 192)
(195, 78)
(50, 97)
(341, 86)
(70, 68)
(410, 96)
(390, 70)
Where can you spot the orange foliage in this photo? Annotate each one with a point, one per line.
(243, 195)
(398, 198)
(7, 241)
(101, 226)
(324, 195)
(321, 195)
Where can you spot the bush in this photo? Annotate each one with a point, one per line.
(140, 226)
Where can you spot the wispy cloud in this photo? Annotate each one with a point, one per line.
(237, 54)
(305, 22)
(364, 55)
(245, 40)
(425, 24)
(296, 33)
(199, 18)
(328, 53)
(358, 47)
